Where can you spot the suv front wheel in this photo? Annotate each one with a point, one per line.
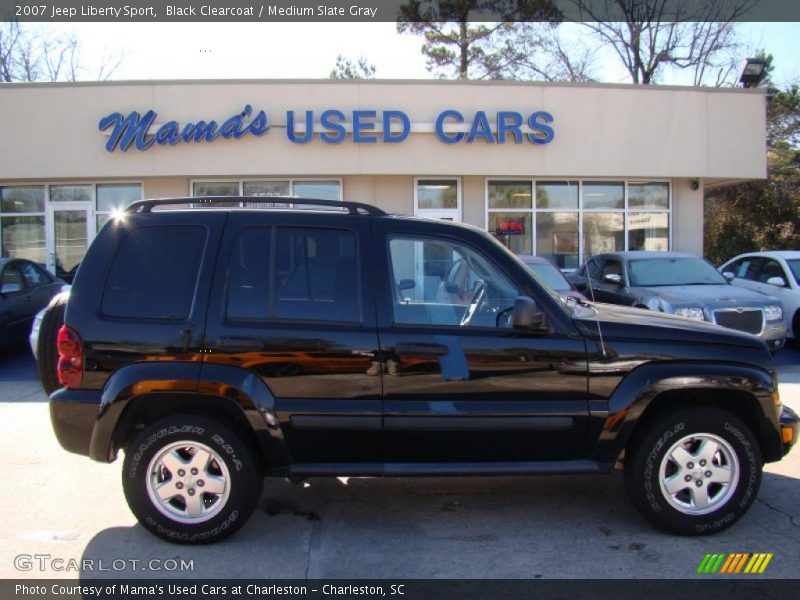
(694, 472)
(190, 480)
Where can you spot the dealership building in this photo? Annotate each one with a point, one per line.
(559, 170)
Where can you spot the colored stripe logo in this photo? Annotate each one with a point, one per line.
(733, 563)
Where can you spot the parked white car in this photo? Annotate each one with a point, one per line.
(775, 273)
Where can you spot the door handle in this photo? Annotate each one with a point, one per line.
(421, 349)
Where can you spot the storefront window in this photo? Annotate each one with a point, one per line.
(70, 193)
(319, 190)
(116, 196)
(603, 194)
(23, 237)
(215, 188)
(22, 222)
(648, 195)
(557, 238)
(510, 194)
(22, 199)
(266, 189)
(557, 194)
(603, 232)
(571, 221)
(437, 194)
(513, 229)
(648, 231)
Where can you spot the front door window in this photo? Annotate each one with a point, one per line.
(438, 282)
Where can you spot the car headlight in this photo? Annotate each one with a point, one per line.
(691, 312)
(773, 313)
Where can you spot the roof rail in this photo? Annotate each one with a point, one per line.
(353, 208)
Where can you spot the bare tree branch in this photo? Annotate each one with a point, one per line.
(30, 53)
(653, 35)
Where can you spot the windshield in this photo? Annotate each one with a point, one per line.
(794, 265)
(650, 272)
(550, 275)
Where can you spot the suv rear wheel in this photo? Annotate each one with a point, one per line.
(694, 472)
(190, 480)
(47, 346)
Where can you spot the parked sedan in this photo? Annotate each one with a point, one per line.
(25, 288)
(685, 285)
(774, 273)
(551, 275)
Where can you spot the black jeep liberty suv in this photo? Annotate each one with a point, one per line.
(219, 344)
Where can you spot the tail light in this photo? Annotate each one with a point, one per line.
(70, 358)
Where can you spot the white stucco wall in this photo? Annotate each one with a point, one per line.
(600, 130)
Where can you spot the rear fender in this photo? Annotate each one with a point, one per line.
(156, 388)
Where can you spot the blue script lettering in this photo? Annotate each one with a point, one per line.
(134, 129)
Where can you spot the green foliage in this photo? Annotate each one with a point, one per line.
(460, 42)
(762, 215)
(347, 69)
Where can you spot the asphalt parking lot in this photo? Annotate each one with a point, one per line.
(67, 508)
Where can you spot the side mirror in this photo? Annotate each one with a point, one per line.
(729, 275)
(526, 315)
(10, 288)
(776, 281)
(406, 284)
(613, 278)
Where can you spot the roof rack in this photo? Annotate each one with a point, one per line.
(353, 208)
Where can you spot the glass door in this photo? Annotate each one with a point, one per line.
(67, 236)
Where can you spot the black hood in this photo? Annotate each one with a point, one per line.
(622, 322)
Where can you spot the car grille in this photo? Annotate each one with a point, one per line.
(750, 320)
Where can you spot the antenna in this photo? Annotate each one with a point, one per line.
(596, 312)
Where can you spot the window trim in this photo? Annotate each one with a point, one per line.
(440, 213)
(626, 211)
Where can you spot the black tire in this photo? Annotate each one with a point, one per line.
(644, 462)
(46, 345)
(244, 477)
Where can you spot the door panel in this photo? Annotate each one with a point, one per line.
(293, 304)
(70, 234)
(469, 391)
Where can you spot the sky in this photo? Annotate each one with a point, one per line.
(309, 50)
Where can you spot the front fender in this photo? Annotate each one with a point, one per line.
(637, 392)
(152, 387)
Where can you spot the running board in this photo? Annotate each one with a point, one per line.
(434, 469)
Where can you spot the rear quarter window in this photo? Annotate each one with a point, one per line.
(155, 272)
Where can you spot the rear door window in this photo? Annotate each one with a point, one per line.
(154, 274)
(313, 275)
(316, 275)
(747, 268)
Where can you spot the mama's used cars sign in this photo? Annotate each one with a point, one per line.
(332, 126)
